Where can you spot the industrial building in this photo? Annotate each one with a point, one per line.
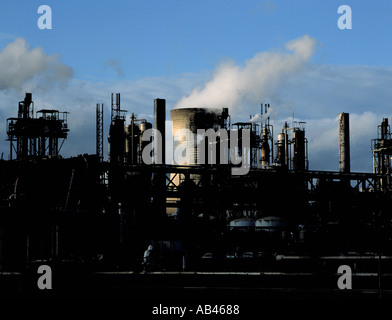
(131, 223)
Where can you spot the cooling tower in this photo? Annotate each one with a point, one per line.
(185, 123)
(192, 119)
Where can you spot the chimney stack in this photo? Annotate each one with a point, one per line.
(159, 124)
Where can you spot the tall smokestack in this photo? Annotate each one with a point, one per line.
(299, 150)
(159, 124)
(265, 149)
(384, 129)
(344, 143)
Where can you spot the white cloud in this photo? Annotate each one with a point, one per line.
(117, 66)
(267, 7)
(320, 91)
(25, 68)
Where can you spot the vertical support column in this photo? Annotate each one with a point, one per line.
(299, 150)
(51, 145)
(11, 146)
(286, 147)
(159, 158)
(42, 146)
(1, 248)
(99, 127)
(344, 143)
(384, 155)
(159, 124)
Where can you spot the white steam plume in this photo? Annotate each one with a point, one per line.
(234, 86)
(19, 66)
(261, 117)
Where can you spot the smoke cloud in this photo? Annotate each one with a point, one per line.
(19, 65)
(236, 86)
(261, 117)
(117, 66)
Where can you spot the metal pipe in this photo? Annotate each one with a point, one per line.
(133, 139)
(286, 146)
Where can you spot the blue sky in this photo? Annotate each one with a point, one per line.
(165, 49)
(160, 38)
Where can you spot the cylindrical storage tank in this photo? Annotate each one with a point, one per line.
(281, 154)
(116, 139)
(144, 126)
(384, 129)
(131, 143)
(270, 224)
(302, 234)
(299, 150)
(265, 149)
(186, 122)
(242, 224)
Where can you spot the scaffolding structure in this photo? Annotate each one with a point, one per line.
(382, 152)
(37, 136)
(116, 136)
